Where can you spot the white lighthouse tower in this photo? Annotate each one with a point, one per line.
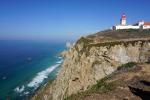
(123, 20)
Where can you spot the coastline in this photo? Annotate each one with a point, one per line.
(94, 57)
(17, 71)
(37, 83)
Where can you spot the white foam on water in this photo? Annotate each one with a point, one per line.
(25, 93)
(59, 62)
(20, 89)
(37, 80)
(60, 57)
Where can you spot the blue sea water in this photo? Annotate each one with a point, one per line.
(26, 65)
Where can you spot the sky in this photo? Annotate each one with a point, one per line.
(61, 20)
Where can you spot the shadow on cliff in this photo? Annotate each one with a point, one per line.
(141, 89)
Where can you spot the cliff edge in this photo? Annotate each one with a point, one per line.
(94, 57)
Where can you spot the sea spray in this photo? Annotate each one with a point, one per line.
(20, 89)
(41, 76)
(37, 80)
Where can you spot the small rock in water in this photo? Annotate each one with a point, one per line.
(29, 58)
(4, 78)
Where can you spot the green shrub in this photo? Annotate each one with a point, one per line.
(127, 65)
(100, 87)
(103, 86)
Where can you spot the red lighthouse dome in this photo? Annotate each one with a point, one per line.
(123, 16)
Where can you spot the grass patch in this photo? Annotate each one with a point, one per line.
(84, 40)
(101, 87)
(127, 66)
(120, 34)
(133, 30)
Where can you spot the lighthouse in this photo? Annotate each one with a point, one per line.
(123, 20)
(140, 25)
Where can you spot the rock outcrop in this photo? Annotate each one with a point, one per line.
(89, 61)
(129, 82)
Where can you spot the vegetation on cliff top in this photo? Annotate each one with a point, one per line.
(110, 38)
(127, 66)
(111, 35)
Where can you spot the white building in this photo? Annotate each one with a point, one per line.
(139, 25)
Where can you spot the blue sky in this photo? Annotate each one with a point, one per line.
(65, 19)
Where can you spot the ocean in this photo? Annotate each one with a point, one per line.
(27, 65)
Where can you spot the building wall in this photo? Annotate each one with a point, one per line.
(146, 27)
(139, 25)
(125, 27)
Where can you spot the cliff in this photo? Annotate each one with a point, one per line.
(129, 82)
(95, 57)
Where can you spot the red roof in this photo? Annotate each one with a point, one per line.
(123, 16)
(147, 23)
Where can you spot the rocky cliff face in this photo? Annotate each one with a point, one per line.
(87, 62)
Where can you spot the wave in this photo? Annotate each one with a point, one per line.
(60, 57)
(20, 89)
(36, 81)
(25, 93)
(59, 62)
